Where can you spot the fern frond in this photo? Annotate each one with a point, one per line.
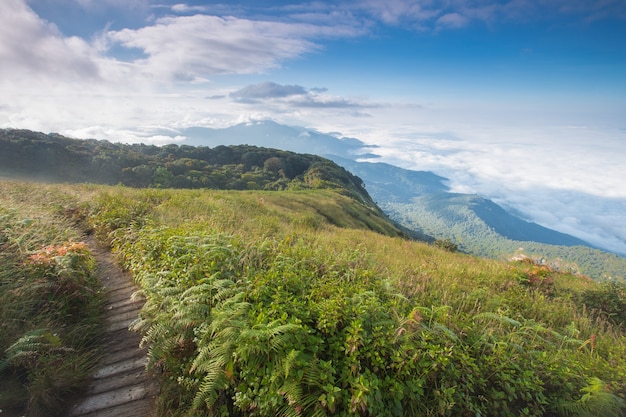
(30, 346)
(279, 335)
(440, 328)
(319, 412)
(191, 315)
(211, 357)
(313, 373)
(169, 292)
(138, 295)
(208, 391)
(595, 401)
(4, 364)
(292, 391)
(497, 318)
(223, 289)
(289, 361)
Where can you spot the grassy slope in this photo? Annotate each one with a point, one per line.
(354, 322)
(49, 302)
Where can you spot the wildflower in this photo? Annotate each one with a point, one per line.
(48, 253)
(592, 341)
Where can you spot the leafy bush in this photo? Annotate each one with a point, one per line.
(607, 300)
(446, 244)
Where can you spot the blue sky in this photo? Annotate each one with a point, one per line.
(520, 101)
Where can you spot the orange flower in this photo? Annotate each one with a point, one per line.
(48, 253)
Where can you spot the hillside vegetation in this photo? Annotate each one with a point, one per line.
(49, 303)
(37, 156)
(482, 228)
(308, 303)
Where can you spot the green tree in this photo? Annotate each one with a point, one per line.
(162, 178)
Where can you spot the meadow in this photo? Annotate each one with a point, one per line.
(309, 303)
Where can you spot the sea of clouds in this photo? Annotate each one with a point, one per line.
(566, 178)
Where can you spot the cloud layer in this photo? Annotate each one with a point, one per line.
(156, 74)
(267, 90)
(285, 98)
(453, 14)
(172, 48)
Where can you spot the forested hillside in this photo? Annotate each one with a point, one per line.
(482, 228)
(52, 157)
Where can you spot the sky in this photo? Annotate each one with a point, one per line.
(520, 101)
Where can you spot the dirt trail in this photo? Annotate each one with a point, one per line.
(120, 387)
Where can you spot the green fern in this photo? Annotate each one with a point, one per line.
(26, 350)
(292, 392)
(289, 362)
(216, 348)
(444, 330)
(497, 318)
(596, 401)
(207, 393)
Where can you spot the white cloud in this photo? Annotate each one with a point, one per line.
(452, 14)
(186, 47)
(398, 11)
(592, 10)
(295, 99)
(452, 20)
(33, 48)
(145, 135)
(185, 8)
(596, 219)
(69, 85)
(102, 4)
(266, 90)
(172, 49)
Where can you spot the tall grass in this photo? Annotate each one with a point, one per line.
(49, 302)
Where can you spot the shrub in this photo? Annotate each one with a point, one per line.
(446, 244)
(607, 300)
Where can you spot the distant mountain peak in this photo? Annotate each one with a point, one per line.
(268, 133)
